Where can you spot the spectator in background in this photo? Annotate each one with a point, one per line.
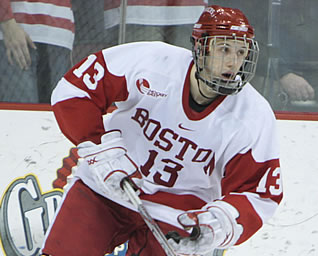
(37, 38)
(98, 23)
(291, 84)
(161, 20)
(299, 55)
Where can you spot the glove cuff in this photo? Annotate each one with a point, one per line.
(227, 215)
(110, 140)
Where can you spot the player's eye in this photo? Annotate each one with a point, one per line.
(225, 49)
(241, 52)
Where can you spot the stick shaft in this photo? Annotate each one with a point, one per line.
(152, 225)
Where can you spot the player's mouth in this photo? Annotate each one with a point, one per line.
(228, 76)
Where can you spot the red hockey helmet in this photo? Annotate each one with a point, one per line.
(223, 23)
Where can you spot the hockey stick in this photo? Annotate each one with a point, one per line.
(152, 225)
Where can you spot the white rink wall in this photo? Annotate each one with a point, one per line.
(32, 149)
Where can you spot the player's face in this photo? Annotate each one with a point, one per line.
(225, 58)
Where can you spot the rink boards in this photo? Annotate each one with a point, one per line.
(32, 150)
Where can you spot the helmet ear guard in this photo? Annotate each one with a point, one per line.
(229, 24)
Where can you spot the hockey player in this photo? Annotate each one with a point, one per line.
(189, 131)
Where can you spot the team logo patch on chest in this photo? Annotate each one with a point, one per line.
(143, 87)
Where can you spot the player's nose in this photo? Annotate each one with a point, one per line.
(231, 60)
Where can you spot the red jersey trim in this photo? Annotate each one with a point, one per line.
(181, 202)
(190, 113)
(243, 174)
(249, 220)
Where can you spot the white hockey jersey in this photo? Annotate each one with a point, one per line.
(226, 152)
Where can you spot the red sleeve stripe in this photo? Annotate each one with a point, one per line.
(65, 90)
(248, 218)
(264, 207)
(181, 202)
(243, 174)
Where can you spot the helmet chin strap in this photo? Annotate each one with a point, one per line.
(197, 77)
(220, 90)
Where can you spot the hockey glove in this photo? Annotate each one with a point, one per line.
(109, 163)
(215, 227)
